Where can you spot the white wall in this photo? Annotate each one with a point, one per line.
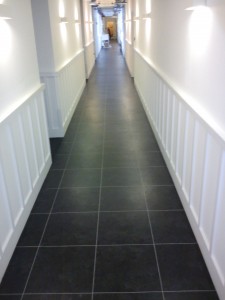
(97, 32)
(66, 38)
(179, 69)
(88, 37)
(121, 29)
(61, 59)
(128, 36)
(25, 155)
(40, 10)
(197, 69)
(18, 61)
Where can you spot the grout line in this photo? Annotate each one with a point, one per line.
(109, 168)
(106, 245)
(151, 230)
(100, 195)
(113, 293)
(111, 186)
(111, 211)
(46, 224)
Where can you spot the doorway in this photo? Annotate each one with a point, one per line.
(111, 28)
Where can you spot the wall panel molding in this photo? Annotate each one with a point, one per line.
(25, 159)
(194, 150)
(62, 94)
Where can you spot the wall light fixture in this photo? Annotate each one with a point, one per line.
(64, 20)
(197, 4)
(136, 19)
(146, 16)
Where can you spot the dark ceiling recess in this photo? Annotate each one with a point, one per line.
(108, 8)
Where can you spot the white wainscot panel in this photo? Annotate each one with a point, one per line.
(175, 115)
(10, 169)
(199, 149)
(20, 153)
(63, 91)
(181, 126)
(169, 122)
(194, 151)
(6, 218)
(25, 160)
(210, 188)
(188, 154)
(218, 236)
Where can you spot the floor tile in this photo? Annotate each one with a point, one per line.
(117, 134)
(44, 201)
(53, 179)
(89, 133)
(59, 162)
(18, 270)
(33, 230)
(135, 296)
(171, 227)
(126, 269)
(162, 198)
(121, 177)
(88, 139)
(81, 178)
(69, 136)
(116, 130)
(119, 160)
(89, 130)
(115, 146)
(93, 115)
(183, 268)
(57, 297)
(58, 146)
(124, 228)
(77, 200)
(191, 296)
(150, 159)
(87, 145)
(142, 139)
(85, 160)
(119, 199)
(62, 270)
(71, 229)
(156, 176)
(8, 297)
(63, 148)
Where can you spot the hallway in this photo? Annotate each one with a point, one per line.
(108, 223)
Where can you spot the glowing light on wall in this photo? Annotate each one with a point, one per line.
(137, 11)
(5, 41)
(76, 22)
(148, 6)
(63, 21)
(200, 29)
(5, 12)
(61, 9)
(76, 14)
(63, 31)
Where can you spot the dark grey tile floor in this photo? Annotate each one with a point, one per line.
(108, 223)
